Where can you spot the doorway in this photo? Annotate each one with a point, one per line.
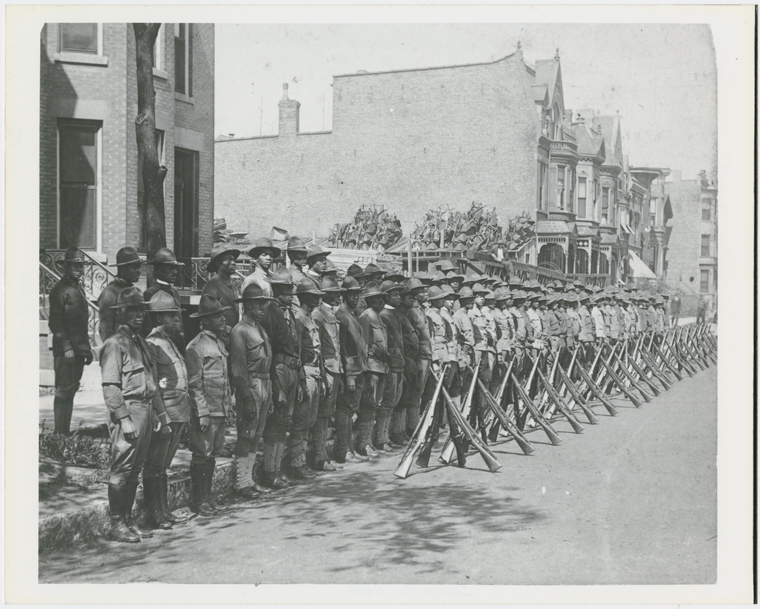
(185, 204)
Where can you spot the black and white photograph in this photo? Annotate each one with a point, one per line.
(376, 301)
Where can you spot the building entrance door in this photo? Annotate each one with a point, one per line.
(185, 204)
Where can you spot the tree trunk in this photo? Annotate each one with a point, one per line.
(147, 146)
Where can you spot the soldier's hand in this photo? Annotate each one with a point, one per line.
(323, 388)
(350, 384)
(163, 429)
(129, 430)
(69, 356)
(88, 357)
(278, 395)
(204, 422)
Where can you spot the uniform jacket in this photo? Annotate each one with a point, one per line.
(465, 331)
(417, 316)
(492, 331)
(226, 292)
(599, 325)
(631, 321)
(126, 361)
(441, 335)
(521, 326)
(479, 328)
(376, 337)
(409, 334)
(588, 326)
(353, 346)
(391, 317)
(279, 322)
(108, 322)
(171, 376)
(69, 318)
(536, 323)
(329, 337)
(179, 336)
(250, 350)
(311, 346)
(504, 329)
(208, 376)
(612, 318)
(261, 277)
(453, 332)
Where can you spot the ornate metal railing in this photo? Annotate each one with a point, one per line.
(48, 279)
(96, 275)
(194, 274)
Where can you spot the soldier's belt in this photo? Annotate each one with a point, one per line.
(312, 371)
(287, 360)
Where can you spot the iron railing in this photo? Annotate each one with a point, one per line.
(96, 276)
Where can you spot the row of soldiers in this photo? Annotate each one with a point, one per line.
(300, 349)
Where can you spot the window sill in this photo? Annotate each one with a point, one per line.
(183, 98)
(81, 58)
(160, 74)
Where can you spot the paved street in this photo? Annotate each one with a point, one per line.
(631, 501)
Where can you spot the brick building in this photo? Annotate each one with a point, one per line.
(90, 183)
(693, 248)
(497, 133)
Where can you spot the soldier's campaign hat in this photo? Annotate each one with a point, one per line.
(453, 276)
(350, 285)
(327, 268)
(413, 285)
(330, 284)
(388, 286)
(314, 252)
(425, 278)
(503, 294)
(165, 256)
(282, 278)
(436, 293)
(163, 302)
(446, 265)
(262, 245)
(73, 254)
(486, 279)
(209, 306)
(296, 244)
(437, 277)
(583, 297)
(130, 297)
(449, 293)
(491, 296)
(373, 269)
(217, 255)
(253, 291)
(127, 255)
(307, 286)
(518, 295)
(372, 289)
(355, 271)
(471, 279)
(466, 292)
(479, 288)
(394, 276)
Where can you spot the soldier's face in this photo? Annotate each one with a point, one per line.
(376, 303)
(455, 284)
(421, 295)
(298, 259)
(167, 273)
(227, 265)
(407, 301)
(449, 304)
(131, 272)
(75, 270)
(257, 309)
(480, 301)
(394, 298)
(265, 260)
(133, 318)
(352, 298)
(284, 298)
(332, 298)
(214, 323)
(170, 321)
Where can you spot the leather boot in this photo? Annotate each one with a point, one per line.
(130, 490)
(118, 531)
(154, 515)
(243, 480)
(255, 487)
(342, 436)
(209, 480)
(279, 481)
(198, 477)
(163, 488)
(377, 432)
(398, 420)
(59, 415)
(412, 419)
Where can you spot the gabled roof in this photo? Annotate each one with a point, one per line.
(610, 128)
(589, 143)
(540, 93)
(554, 227)
(547, 73)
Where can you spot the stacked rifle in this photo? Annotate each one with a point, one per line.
(539, 388)
(371, 229)
(476, 229)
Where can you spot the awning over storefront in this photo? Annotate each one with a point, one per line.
(639, 267)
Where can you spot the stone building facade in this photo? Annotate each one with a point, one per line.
(90, 183)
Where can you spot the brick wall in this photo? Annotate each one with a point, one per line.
(407, 140)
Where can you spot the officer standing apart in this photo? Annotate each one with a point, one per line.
(251, 354)
(128, 267)
(288, 380)
(211, 401)
(129, 389)
(68, 322)
(171, 375)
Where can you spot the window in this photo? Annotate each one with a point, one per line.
(605, 204)
(542, 186)
(142, 230)
(79, 38)
(581, 197)
(704, 281)
(706, 211)
(158, 50)
(78, 184)
(705, 249)
(561, 186)
(571, 194)
(182, 59)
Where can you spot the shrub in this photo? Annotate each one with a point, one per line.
(77, 449)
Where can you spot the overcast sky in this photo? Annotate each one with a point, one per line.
(660, 78)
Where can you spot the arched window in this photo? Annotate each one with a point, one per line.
(581, 261)
(552, 256)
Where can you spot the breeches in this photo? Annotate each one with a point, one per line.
(250, 424)
(127, 459)
(163, 447)
(210, 443)
(279, 422)
(67, 376)
(348, 401)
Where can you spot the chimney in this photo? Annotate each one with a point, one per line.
(289, 111)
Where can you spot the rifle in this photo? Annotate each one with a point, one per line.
(668, 364)
(461, 421)
(673, 350)
(545, 425)
(448, 446)
(647, 362)
(432, 432)
(501, 416)
(595, 390)
(494, 433)
(548, 412)
(633, 381)
(570, 386)
(576, 425)
(643, 376)
(527, 390)
(616, 380)
(402, 471)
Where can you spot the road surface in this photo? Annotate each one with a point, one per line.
(633, 500)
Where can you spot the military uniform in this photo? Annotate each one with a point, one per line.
(416, 315)
(226, 292)
(329, 338)
(376, 337)
(394, 384)
(405, 415)
(108, 316)
(178, 337)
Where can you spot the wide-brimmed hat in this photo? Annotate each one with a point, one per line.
(127, 255)
(350, 285)
(355, 271)
(314, 251)
(519, 295)
(373, 269)
(296, 244)
(308, 286)
(209, 306)
(253, 291)
(446, 265)
(479, 288)
(217, 255)
(372, 289)
(503, 294)
(263, 244)
(394, 276)
(330, 284)
(413, 284)
(130, 297)
(436, 276)
(328, 268)
(514, 281)
(466, 292)
(73, 254)
(436, 293)
(454, 276)
(282, 278)
(490, 296)
(388, 286)
(449, 293)
(165, 256)
(163, 302)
